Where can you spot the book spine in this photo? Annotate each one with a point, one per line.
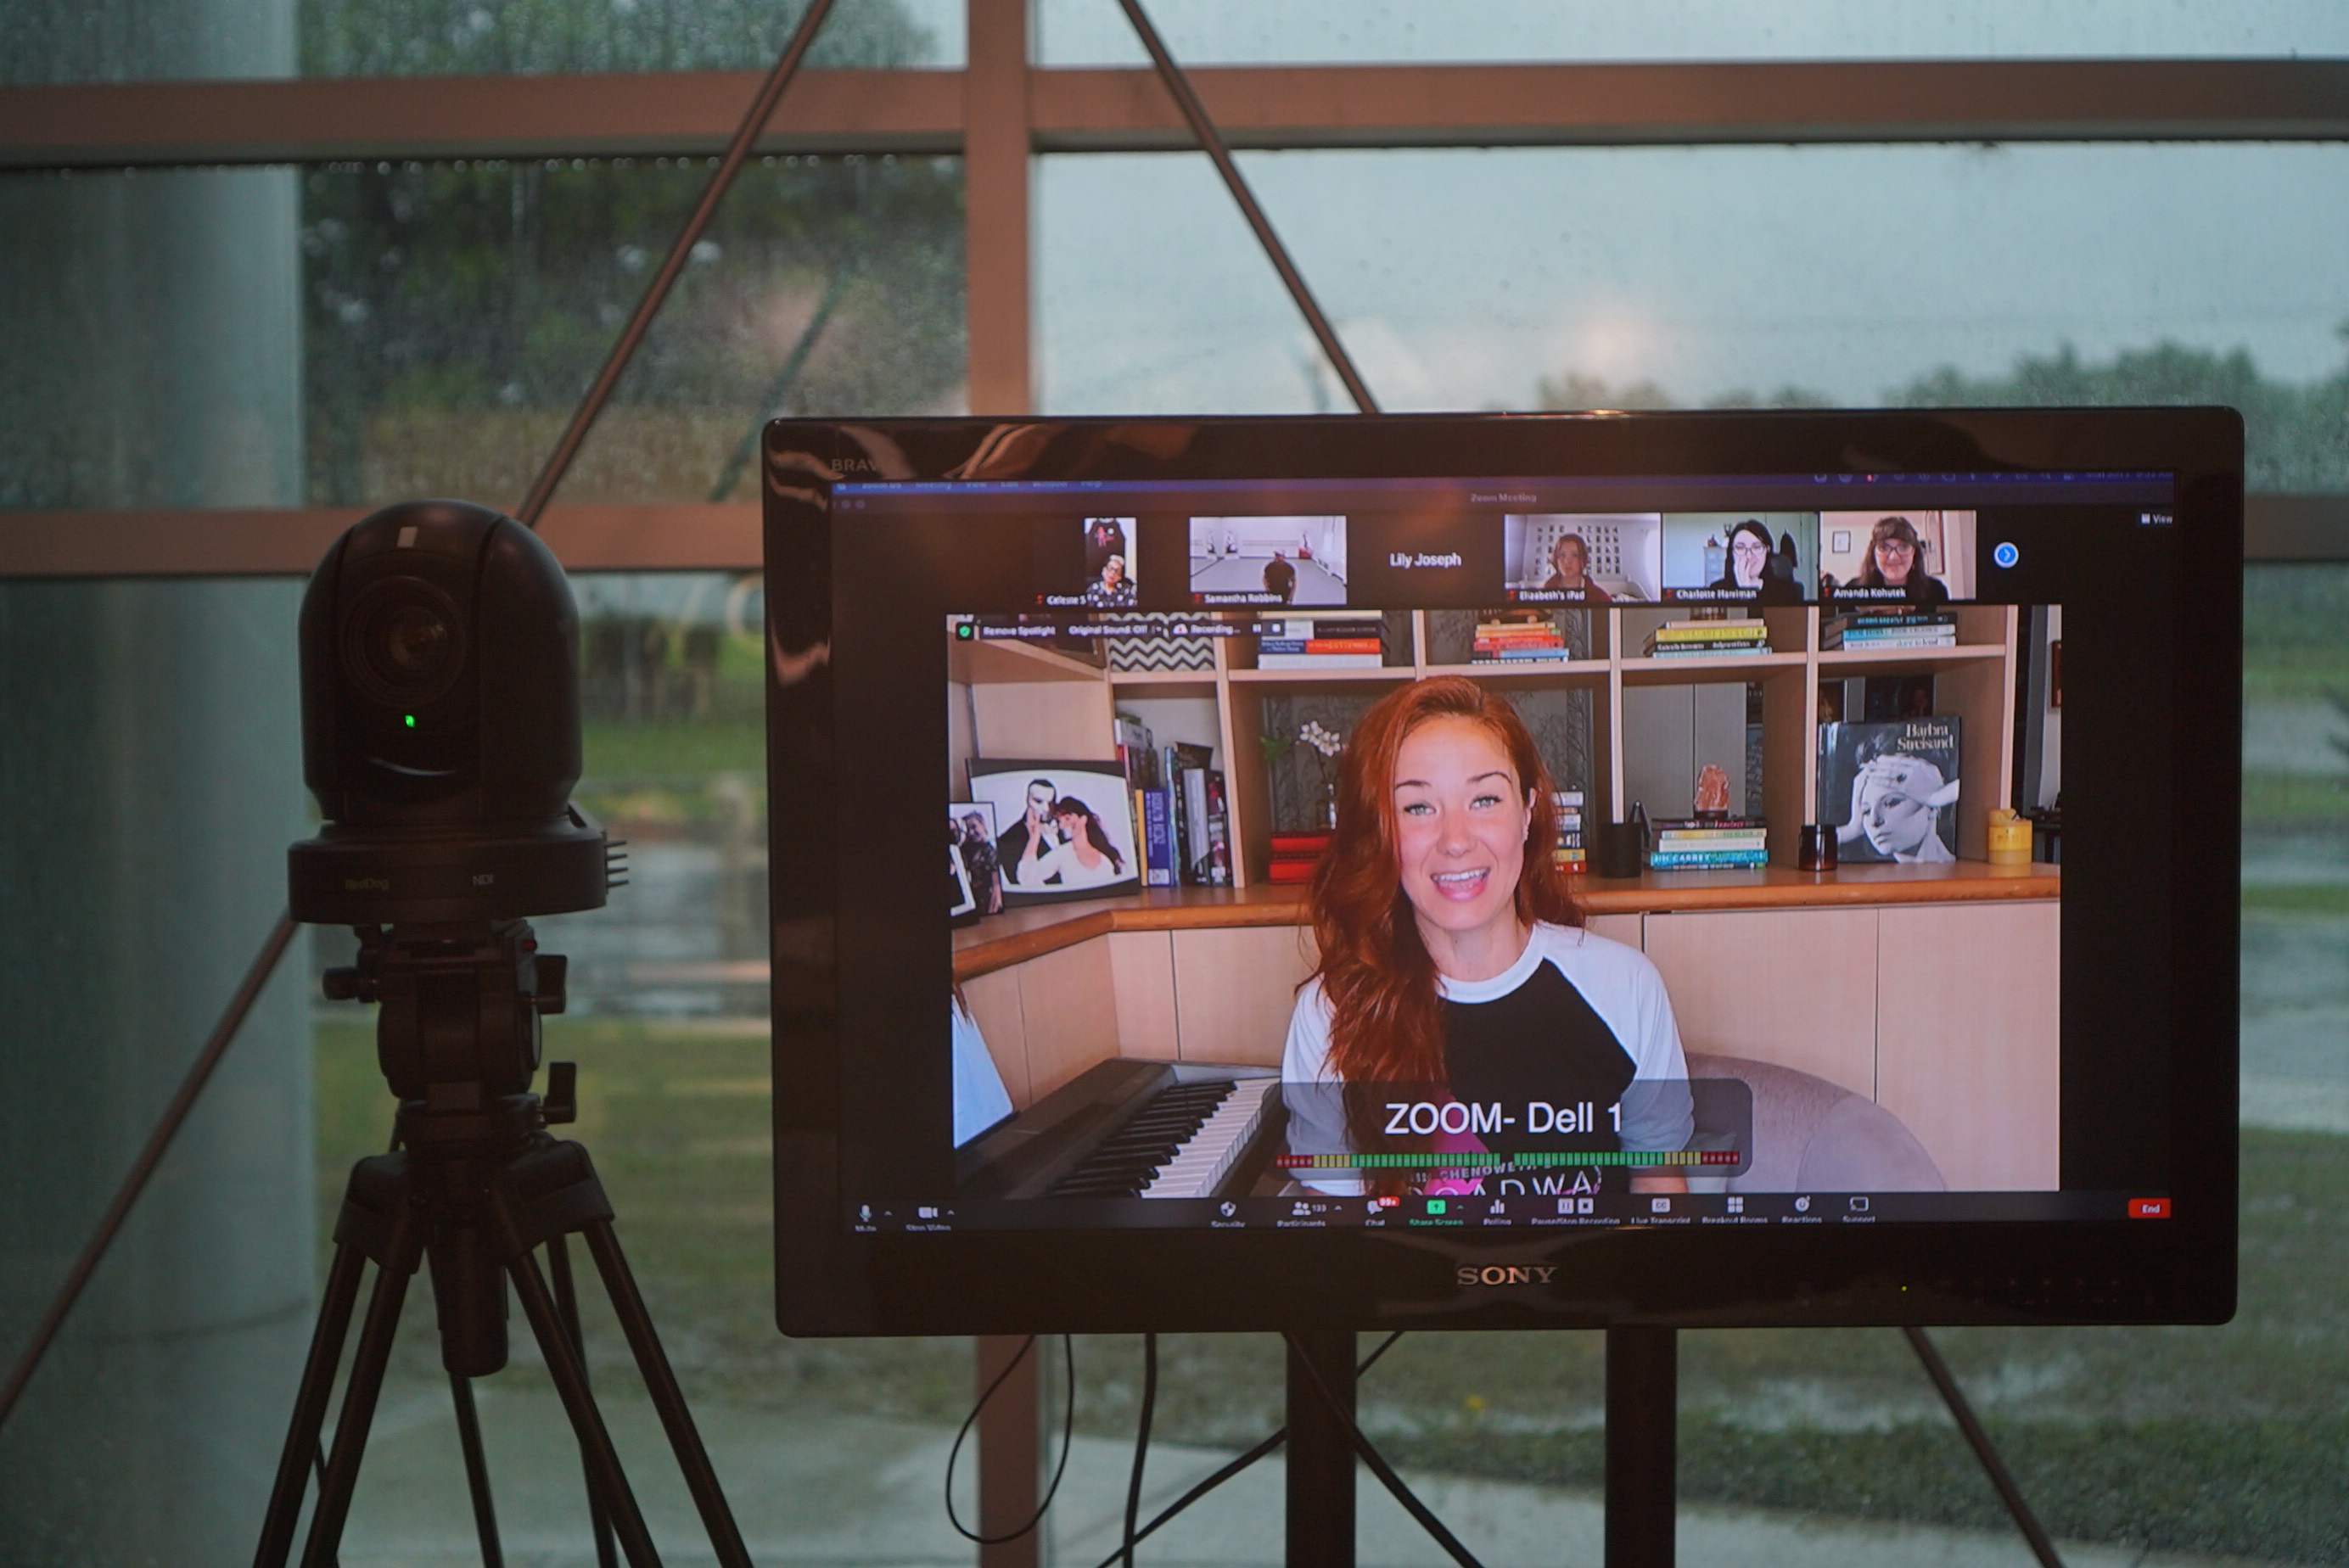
(1195, 826)
(1158, 839)
(1883, 623)
(1668, 860)
(1265, 661)
(1219, 833)
(1834, 644)
(1176, 828)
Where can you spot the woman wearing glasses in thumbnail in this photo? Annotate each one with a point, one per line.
(1895, 559)
(1454, 975)
(1754, 563)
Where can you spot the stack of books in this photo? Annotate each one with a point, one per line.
(1180, 807)
(1709, 843)
(1703, 639)
(1294, 856)
(1889, 629)
(1518, 636)
(1154, 805)
(1569, 854)
(1349, 640)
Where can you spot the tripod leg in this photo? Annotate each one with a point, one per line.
(595, 1440)
(2001, 1478)
(335, 1487)
(310, 1409)
(566, 1300)
(477, 1470)
(700, 1477)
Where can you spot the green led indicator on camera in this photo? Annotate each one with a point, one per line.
(411, 720)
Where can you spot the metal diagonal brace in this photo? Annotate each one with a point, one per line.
(265, 963)
(738, 151)
(2041, 1547)
(1211, 142)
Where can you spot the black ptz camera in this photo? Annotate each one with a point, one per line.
(440, 725)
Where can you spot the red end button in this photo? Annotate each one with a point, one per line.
(2148, 1208)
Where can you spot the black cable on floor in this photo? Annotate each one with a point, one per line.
(1068, 1435)
(1141, 1444)
(1379, 1466)
(1269, 1446)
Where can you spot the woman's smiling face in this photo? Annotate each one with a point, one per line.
(1461, 822)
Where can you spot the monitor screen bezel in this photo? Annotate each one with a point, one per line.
(830, 1281)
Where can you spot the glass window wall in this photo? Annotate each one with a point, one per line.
(1657, 277)
(181, 40)
(1335, 32)
(455, 313)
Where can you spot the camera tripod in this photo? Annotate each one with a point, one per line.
(474, 1186)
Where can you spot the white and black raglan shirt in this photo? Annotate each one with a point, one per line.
(1575, 1022)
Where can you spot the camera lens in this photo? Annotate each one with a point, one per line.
(415, 640)
(404, 643)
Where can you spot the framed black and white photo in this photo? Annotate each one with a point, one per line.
(973, 824)
(1065, 828)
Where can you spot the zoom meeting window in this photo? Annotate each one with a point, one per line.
(1504, 853)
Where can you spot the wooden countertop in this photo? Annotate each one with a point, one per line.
(1003, 940)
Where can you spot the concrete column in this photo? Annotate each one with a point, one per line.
(150, 781)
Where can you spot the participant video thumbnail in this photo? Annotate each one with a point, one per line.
(1917, 558)
(1088, 563)
(1583, 558)
(1739, 558)
(1268, 561)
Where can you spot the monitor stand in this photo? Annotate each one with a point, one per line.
(1642, 1397)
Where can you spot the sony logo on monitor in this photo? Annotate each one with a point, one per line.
(1495, 1274)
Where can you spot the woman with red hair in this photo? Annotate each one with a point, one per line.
(1458, 1006)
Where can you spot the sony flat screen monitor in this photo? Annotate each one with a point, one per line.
(1680, 869)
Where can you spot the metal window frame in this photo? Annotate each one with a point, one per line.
(999, 112)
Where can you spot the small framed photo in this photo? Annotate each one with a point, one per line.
(1066, 829)
(973, 826)
(962, 906)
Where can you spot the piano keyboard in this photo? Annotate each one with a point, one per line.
(1181, 1144)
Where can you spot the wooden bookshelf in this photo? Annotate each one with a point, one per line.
(1063, 705)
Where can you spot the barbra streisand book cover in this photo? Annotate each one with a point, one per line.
(1890, 790)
